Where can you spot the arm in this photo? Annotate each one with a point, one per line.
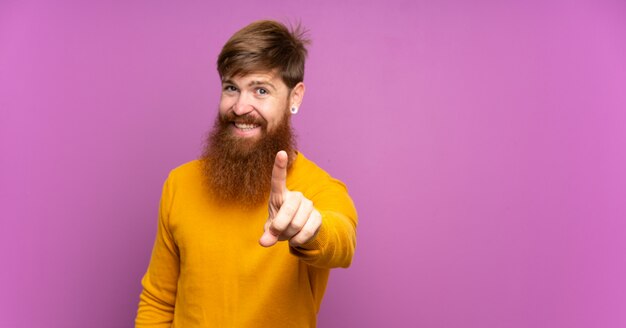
(157, 300)
(335, 243)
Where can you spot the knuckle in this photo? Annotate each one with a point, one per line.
(281, 225)
(294, 242)
(317, 217)
(308, 204)
(275, 230)
(305, 234)
(296, 195)
(296, 226)
(278, 226)
(289, 209)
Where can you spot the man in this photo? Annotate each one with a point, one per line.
(247, 234)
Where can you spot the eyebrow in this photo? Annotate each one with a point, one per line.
(252, 83)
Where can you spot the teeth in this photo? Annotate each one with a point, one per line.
(245, 126)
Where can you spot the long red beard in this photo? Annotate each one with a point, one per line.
(239, 170)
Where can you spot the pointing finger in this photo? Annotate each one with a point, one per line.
(279, 173)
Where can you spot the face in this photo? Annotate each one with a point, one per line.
(252, 126)
(255, 104)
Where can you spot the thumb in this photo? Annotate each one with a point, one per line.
(268, 239)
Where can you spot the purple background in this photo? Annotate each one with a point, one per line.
(483, 142)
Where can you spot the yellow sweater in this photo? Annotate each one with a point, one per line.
(208, 269)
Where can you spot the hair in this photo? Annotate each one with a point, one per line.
(265, 45)
(239, 171)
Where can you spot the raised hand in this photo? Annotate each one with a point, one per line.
(291, 215)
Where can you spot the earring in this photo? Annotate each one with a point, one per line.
(294, 110)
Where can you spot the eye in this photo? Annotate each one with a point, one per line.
(230, 88)
(262, 91)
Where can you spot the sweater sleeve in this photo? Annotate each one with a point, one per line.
(335, 243)
(157, 300)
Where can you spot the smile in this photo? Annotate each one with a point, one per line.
(246, 127)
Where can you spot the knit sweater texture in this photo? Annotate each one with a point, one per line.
(208, 270)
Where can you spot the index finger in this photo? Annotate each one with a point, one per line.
(279, 173)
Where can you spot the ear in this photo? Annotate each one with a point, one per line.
(296, 96)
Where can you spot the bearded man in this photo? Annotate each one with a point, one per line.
(248, 233)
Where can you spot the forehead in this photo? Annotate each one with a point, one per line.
(256, 77)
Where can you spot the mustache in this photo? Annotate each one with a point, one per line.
(244, 119)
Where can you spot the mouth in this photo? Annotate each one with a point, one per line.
(246, 126)
(246, 130)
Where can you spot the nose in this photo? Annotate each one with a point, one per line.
(242, 106)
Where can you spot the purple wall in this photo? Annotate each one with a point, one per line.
(484, 145)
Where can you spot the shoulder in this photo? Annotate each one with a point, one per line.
(185, 182)
(303, 167)
(326, 192)
(186, 173)
(306, 174)
(191, 167)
